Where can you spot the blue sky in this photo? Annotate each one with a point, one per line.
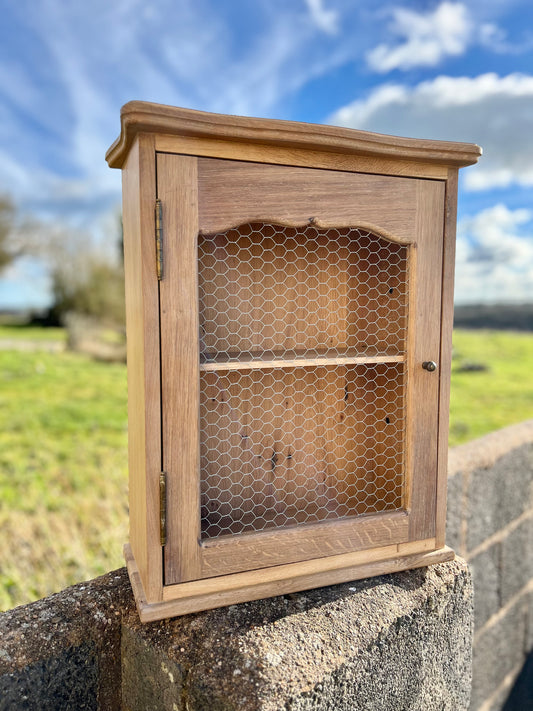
(446, 70)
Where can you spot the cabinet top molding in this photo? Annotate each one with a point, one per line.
(144, 117)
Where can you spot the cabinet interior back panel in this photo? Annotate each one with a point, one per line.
(302, 375)
(267, 290)
(281, 447)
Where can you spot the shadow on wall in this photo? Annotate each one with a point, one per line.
(521, 695)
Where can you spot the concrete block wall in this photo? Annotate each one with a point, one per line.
(490, 524)
(400, 641)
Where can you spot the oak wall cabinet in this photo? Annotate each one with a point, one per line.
(289, 313)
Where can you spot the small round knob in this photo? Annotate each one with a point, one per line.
(430, 366)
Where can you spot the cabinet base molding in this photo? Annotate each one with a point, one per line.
(185, 598)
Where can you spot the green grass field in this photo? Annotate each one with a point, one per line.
(486, 400)
(63, 451)
(63, 471)
(32, 333)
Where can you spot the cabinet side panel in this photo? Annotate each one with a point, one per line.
(425, 346)
(448, 268)
(177, 190)
(142, 323)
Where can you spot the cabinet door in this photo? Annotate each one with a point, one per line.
(297, 308)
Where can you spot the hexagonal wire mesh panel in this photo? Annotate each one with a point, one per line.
(302, 376)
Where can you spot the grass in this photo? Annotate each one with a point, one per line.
(23, 332)
(500, 395)
(63, 471)
(63, 452)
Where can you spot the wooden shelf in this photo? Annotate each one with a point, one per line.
(246, 361)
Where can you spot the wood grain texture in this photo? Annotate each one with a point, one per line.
(232, 193)
(231, 554)
(263, 153)
(269, 289)
(448, 268)
(241, 587)
(293, 446)
(326, 567)
(425, 346)
(142, 321)
(139, 116)
(176, 188)
(244, 361)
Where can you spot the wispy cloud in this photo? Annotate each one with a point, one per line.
(326, 20)
(492, 111)
(494, 38)
(425, 38)
(59, 114)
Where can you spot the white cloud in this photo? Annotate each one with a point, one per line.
(325, 20)
(495, 112)
(495, 256)
(425, 38)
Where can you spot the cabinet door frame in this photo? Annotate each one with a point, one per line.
(194, 195)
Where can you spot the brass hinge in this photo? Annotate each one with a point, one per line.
(163, 508)
(159, 239)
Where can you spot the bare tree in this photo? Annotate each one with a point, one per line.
(85, 278)
(8, 249)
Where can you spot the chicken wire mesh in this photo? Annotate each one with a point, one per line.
(302, 376)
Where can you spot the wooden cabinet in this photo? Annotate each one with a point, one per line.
(289, 311)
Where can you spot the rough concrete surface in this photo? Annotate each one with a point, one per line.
(455, 513)
(499, 650)
(486, 573)
(68, 681)
(62, 653)
(499, 495)
(399, 642)
(484, 452)
(517, 560)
